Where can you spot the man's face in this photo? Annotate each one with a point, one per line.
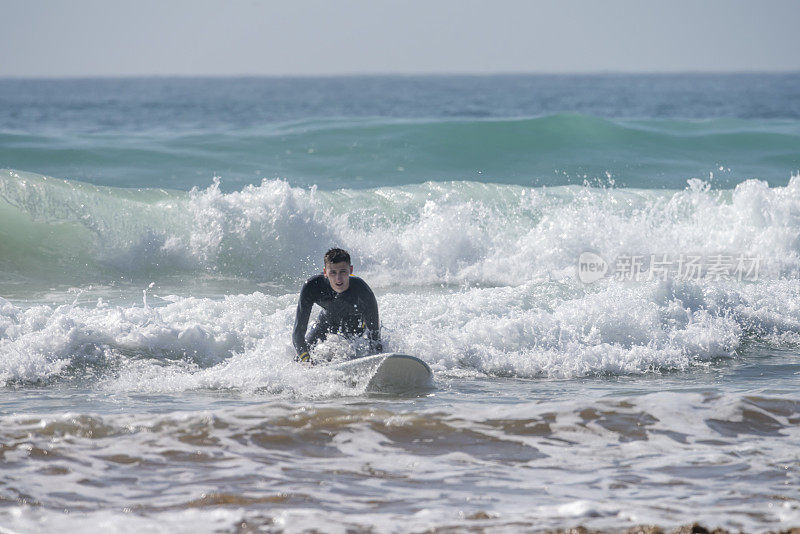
(338, 274)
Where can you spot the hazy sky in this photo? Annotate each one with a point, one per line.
(258, 37)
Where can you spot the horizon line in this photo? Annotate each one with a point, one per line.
(409, 74)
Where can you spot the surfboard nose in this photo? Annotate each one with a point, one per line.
(401, 373)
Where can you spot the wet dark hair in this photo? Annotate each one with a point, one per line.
(337, 255)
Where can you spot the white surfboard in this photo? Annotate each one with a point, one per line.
(392, 372)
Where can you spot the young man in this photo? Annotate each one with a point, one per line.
(349, 306)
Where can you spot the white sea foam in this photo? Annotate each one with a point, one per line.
(472, 277)
(454, 232)
(499, 235)
(30, 519)
(555, 330)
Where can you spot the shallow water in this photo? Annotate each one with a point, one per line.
(716, 445)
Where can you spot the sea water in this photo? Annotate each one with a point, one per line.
(603, 273)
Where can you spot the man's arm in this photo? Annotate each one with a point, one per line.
(372, 321)
(304, 305)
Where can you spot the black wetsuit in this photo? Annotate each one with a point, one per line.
(351, 313)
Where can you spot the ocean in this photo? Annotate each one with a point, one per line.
(603, 272)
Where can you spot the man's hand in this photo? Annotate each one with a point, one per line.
(304, 358)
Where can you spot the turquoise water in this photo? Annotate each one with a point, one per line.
(373, 152)
(154, 234)
(646, 131)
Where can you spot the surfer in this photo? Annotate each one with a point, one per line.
(349, 306)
